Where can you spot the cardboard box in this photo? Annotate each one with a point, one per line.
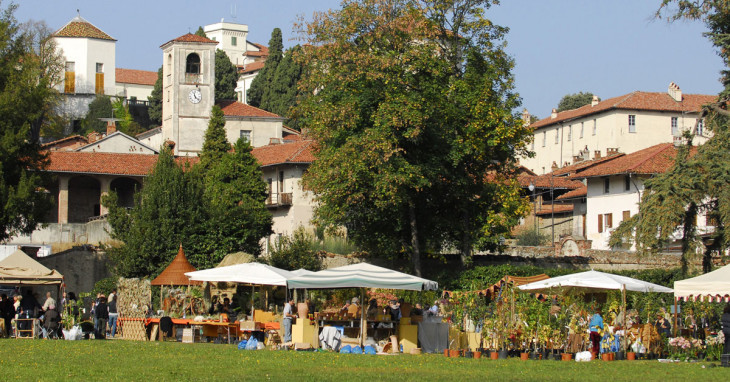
(248, 325)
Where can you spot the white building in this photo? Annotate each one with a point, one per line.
(135, 85)
(627, 123)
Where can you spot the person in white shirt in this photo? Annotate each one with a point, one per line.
(287, 321)
(49, 301)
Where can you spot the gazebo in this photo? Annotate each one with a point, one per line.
(174, 274)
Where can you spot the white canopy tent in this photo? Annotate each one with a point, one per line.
(301, 272)
(714, 285)
(361, 275)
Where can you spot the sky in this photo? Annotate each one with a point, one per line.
(560, 47)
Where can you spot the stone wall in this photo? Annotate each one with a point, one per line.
(81, 267)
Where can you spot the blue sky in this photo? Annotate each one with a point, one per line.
(609, 48)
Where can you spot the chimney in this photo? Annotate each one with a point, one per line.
(93, 136)
(554, 166)
(554, 114)
(611, 151)
(170, 144)
(597, 154)
(586, 153)
(675, 92)
(578, 158)
(526, 117)
(595, 100)
(111, 127)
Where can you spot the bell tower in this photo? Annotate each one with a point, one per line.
(188, 91)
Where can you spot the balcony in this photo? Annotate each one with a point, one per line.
(282, 199)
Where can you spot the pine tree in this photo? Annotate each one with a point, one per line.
(265, 78)
(200, 32)
(283, 92)
(215, 144)
(155, 100)
(226, 77)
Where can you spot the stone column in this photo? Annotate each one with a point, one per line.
(105, 183)
(63, 199)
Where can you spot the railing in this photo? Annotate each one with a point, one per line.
(194, 78)
(282, 199)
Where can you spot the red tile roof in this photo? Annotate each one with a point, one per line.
(633, 101)
(106, 163)
(582, 165)
(652, 160)
(192, 38)
(548, 181)
(134, 76)
(548, 209)
(78, 27)
(252, 67)
(262, 52)
(238, 109)
(69, 143)
(295, 152)
(577, 193)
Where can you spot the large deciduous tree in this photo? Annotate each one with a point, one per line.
(698, 181)
(263, 80)
(411, 103)
(574, 101)
(29, 68)
(226, 76)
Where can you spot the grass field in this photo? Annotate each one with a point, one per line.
(41, 360)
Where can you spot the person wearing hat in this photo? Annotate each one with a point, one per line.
(353, 309)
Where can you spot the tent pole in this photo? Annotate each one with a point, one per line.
(363, 321)
(625, 321)
(675, 317)
(253, 293)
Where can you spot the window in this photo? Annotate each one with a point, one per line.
(627, 215)
(234, 41)
(700, 127)
(192, 64)
(214, 38)
(675, 128)
(544, 138)
(581, 131)
(557, 136)
(246, 135)
(608, 220)
(570, 132)
(600, 223)
(99, 67)
(281, 181)
(632, 123)
(606, 185)
(69, 81)
(594, 127)
(627, 183)
(99, 88)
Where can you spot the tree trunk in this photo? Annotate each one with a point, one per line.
(688, 235)
(416, 254)
(466, 244)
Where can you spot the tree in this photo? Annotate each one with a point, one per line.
(415, 140)
(697, 182)
(100, 107)
(215, 143)
(200, 32)
(155, 100)
(29, 68)
(295, 252)
(282, 94)
(226, 77)
(574, 101)
(262, 82)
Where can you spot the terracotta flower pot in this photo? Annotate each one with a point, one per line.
(567, 356)
(612, 356)
(454, 353)
(524, 356)
(606, 357)
(494, 355)
(631, 356)
(477, 354)
(446, 352)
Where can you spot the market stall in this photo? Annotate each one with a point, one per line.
(362, 276)
(714, 286)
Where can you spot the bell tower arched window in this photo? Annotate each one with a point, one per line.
(192, 68)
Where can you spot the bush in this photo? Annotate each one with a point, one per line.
(295, 252)
(104, 286)
(531, 237)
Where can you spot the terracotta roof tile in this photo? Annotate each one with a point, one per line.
(134, 76)
(548, 181)
(633, 101)
(69, 143)
(583, 165)
(262, 52)
(78, 27)
(577, 193)
(548, 209)
(189, 37)
(294, 152)
(652, 160)
(174, 274)
(106, 163)
(238, 109)
(252, 67)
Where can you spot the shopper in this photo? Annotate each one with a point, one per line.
(596, 326)
(726, 328)
(287, 321)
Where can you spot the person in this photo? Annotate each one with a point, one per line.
(405, 308)
(30, 304)
(61, 308)
(287, 321)
(51, 321)
(101, 313)
(725, 320)
(417, 310)
(353, 309)
(663, 326)
(49, 301)
(113, 314)
(394, 308)
(372, 311)
(595, 326)
(435, 308)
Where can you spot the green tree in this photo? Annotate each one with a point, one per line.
(100, 107)
(215, 143)
(200, 32)
(29, 68)
(282, 94)
(407, 132)
(226, 77)
(574, 101)
(262, 82)
(295, 252)
(168, 211)
(155, 100)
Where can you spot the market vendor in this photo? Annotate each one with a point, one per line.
(353, 308)
(372, 311)
(595, 326)
(287, 321)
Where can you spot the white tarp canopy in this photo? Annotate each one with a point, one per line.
(715, 285)
(301, 271)
(20, 269)
(592, 281)
(361, 275)
(247, 273)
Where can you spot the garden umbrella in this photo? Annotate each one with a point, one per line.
(361, 275)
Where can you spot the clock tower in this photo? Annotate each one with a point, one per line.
(188, 91)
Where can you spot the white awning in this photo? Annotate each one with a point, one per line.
(247, 273)
(361, 275)
(592, 281)
(715, 285)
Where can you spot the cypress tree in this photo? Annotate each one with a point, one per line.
(283, 91)
(155, 100)
(226, 76)
(215, 144)
(264, 79)
(200, 32)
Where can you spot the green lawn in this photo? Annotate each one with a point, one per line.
(154, 361)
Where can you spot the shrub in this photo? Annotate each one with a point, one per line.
(295, 252)
(531, 237)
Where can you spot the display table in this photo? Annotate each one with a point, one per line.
(305, 331)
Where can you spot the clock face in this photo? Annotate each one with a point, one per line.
(195, 96)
